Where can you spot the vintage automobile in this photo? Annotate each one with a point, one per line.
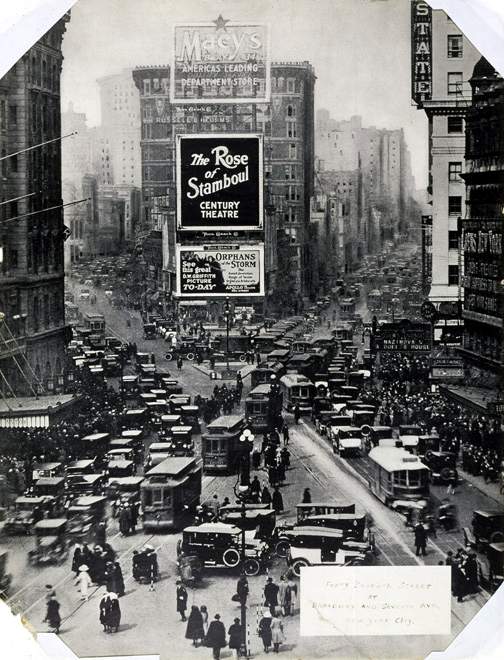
(27, 512)
(259, 518)
(52, 469)
(488, 526)
(51, 487)
(158, 451)
(495, 556)
(149, 331)
(219, 545)
(124, 453)
(85, 484)
(320, 546)
(181, 441)
(442, 465)
(347, 440)
(125, 488)
(337, 421)
(83, 515)
(5, 578)
(121, 468)
(50, 542)
(324, 421)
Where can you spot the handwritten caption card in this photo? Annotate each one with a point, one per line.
(375, 600)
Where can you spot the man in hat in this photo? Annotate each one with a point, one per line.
(181, 600)
(271, 595)
(216, 636)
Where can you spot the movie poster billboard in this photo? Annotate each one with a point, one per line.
(220, 270)
(220, 62)
(219, 182)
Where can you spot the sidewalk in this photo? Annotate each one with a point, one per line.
(491, 490)
(244, 369)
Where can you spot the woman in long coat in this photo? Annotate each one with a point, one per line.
(124, 520)
(277, 501)
(77, 560)
(84, 581)
(194, 629)
(235, 636)
(216, 636)
(52, 615)
(277, 636)
(104, 612)
(114, 613)
(266, 496)
(264, 630)
(291, 597)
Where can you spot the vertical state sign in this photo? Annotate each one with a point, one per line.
(421, 52)
(220, 62)
(219, 182)
(220, 270)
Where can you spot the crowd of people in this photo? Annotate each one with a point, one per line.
(465, 572)
(223, 400)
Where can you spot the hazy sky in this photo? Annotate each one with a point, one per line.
(360, 50)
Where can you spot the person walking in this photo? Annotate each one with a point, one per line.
(297, 413)
(264, 630)
(84, 582)
(255, 488)
(77, 559)
(104, 612)
(181, 600)
(242, 589)
(235, 636)
(291, 597)
(204, 618)
(420, 539)
(285, 433)
(265, 495)
(277, 632)
(194, 629)
(114, 612)
(124, 520)
(306, 496)
(277, 501)
(282, 595)
(179, 362)
(471, 571)
(53, 617)
(271, 595)
(452, 484)
(216, 637)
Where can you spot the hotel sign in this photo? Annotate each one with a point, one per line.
(220, 62)
(421, 52)
(219, 182)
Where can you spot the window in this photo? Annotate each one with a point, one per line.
(291, 85)
(453, 240)
(13, 114)
(291, 129)
(455, 205)
(291, 111)
(454, 83)
(147, 86)
(455, 48)
(453, 275)
(454, 171)
(455, 124)
(292, 152)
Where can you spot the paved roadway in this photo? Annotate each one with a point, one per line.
(146, 614)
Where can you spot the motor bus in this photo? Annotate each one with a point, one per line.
(264, 371)
(95, 322)
(170, 493)
(297, 389)
(221, 448)
(257, 405)
(396, 477)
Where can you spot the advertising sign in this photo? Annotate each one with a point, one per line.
(220, 270)
(220, 62)
(421, 52)
(404, 336)
(219, 182)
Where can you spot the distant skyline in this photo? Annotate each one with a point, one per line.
(349, 43)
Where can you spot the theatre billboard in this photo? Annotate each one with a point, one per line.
(216, 271)
(220, 62)
(219, 182)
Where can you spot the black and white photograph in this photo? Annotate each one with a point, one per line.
(251, 330)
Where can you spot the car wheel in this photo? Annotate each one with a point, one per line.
(190, 356)
(169, 356)
(445, 474)
(231, 558)
(282, 548)
(297, 565)
(251, 567)
(497, 537)
(243, 357)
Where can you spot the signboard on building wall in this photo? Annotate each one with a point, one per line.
(219, 182)
(220, 62)
(220, 270)
(483, 269)
(421, 52)
(404, 336)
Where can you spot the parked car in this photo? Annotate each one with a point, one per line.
(488, 526)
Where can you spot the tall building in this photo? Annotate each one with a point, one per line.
(33, 332)
(287, 123)
(483, 228)
(442, 63)
(116, 142)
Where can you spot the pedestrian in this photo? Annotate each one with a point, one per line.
(285, 433)
(101, 534)
(291, 597)
(179, 362)
(452, 484)
(255, 487)
(119, 580)
(104, 612)
(264, 630)
(282, 594)
(181, 600)
(420, 539)
(194, 629)
(124, 520)
(297, 413)
(216, 637)
(265, 495)
(271, 595)
(84, 581)
(306, 496)
(133, 507)
(50, 593)
(114, 613)
(277, 633)
(471, 571)
(77, 559)
(52, 616)
(242, 589)
(235, 636)
(277, 501)
(256, 459)
(204, 617)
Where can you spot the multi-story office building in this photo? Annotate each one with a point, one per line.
(287, 126)
(33, 332)
(442, 63)
(483, 228)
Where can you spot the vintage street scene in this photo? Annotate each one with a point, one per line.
(251, 318)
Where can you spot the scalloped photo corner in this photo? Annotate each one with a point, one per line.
(251, 329)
